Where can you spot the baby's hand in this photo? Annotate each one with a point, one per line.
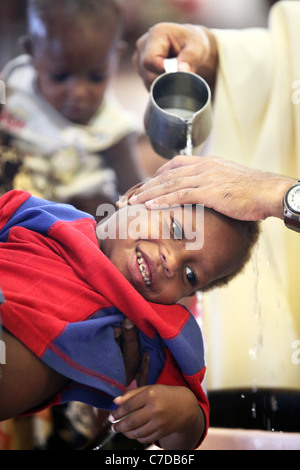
(152, 412)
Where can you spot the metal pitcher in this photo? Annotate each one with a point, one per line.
(178, 117)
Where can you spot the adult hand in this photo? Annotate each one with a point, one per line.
(194, 46)
(227, 187)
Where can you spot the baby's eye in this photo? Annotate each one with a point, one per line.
(96, 77)
(177, 230)
(191, 276)
(60, 77)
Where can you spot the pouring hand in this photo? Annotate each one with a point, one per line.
(194, 46)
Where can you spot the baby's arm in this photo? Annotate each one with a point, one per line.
(26, 382)
(164, 413)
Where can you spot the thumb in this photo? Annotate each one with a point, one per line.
(183, 65)
(129, 394)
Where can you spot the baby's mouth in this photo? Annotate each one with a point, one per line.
(144, 268)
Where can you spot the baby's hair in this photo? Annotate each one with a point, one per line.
(40, 12)
(249, 234)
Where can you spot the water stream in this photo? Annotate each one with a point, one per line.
(187, 115)
(188, 150)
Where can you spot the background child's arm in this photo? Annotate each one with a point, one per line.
(168, 414)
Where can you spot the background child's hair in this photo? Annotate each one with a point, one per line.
(108, 10)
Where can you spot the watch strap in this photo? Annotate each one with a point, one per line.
(292, 223)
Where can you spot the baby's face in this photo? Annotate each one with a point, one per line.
(73, 68)
(163, 253)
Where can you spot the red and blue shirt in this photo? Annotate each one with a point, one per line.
(63, 298)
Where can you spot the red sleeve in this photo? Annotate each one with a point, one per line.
(9, 203)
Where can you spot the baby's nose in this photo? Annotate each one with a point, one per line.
(170, 262)
(79, 88)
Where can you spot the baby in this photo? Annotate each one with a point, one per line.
(64, 296)
(79, 142)
(171, 253)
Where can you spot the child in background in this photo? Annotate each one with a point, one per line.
(79, 141)
(65, 292)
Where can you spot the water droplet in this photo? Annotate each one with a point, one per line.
(253, 410)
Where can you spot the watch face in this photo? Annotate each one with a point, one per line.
(293, 199)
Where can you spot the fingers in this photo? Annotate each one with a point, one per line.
(181, 197)
(177, 162)
(186, 42)
(132, 417)
(149, 56)
(150, 52)
(183, 180)
(123, 201)
(196, 50)
(137, 426)
(127, 404)
(191, 45)
(169, 176)
(174, 187)
(132, 428)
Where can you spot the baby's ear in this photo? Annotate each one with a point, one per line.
(26, 43)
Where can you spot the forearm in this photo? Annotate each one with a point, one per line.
(275, 197)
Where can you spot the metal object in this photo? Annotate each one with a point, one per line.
(178, 117)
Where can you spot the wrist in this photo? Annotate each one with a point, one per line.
(209, 69)
(277, 208)
(209, 59)
(291, 204)
(195, 428)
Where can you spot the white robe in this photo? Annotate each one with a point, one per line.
(253, 324)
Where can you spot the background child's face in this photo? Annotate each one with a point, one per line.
(163, 269)
(73, 67)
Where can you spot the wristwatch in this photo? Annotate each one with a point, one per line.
(292, 207)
